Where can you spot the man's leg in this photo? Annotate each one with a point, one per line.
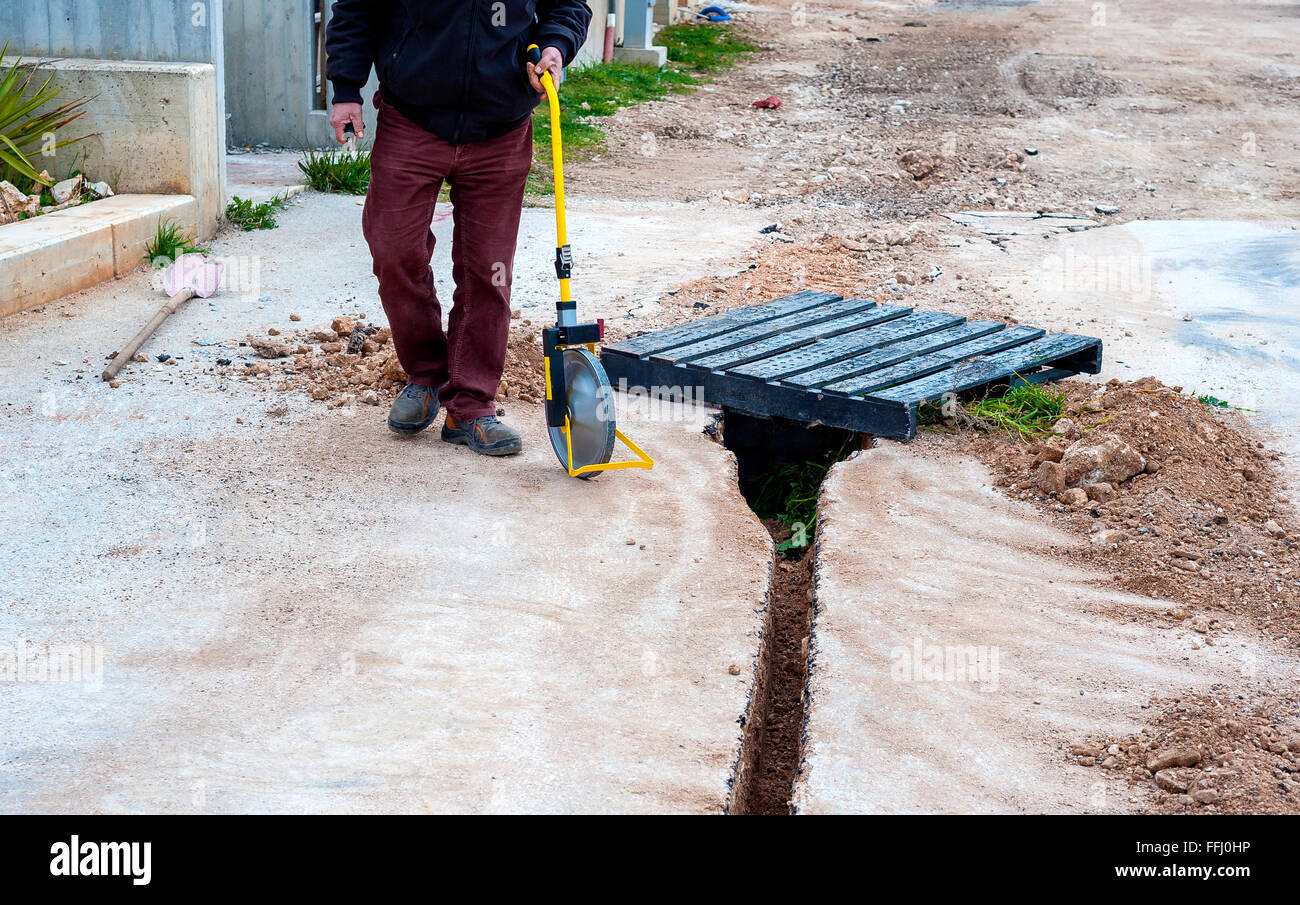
(408, 165)
(487, 195)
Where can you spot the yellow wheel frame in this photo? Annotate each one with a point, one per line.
(562, 239)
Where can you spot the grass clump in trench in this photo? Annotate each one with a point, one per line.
(789, 493)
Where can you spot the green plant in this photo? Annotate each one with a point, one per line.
(336, 170)
(1028, 411)
(1212, 401)
(22, 128)
(789, 493)
(168, 243)
(706, 48)
(249, 216)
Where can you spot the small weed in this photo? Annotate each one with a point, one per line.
(1216, 402)
(249, 216)
(168, 243)
(1028, 411)
(336, 170)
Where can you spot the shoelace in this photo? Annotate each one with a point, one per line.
(413, 391)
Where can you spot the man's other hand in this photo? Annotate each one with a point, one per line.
(341, 115)
(552, 62)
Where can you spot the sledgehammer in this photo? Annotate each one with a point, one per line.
(188, 276)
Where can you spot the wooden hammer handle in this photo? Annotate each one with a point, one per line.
(166, 311)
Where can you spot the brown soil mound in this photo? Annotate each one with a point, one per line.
(355, 361)
(1209, 753)
(1208, 530)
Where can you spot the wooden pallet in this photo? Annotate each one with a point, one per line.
(845, 362)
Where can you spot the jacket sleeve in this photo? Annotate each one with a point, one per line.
(351, 42)
(562, 24)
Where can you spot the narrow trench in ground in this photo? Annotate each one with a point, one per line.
(780, 467)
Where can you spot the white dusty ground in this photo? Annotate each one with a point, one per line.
(920, 557)
(305, 612)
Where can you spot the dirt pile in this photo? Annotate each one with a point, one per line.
(355, 361)
(1177, 501)
(1209, 753)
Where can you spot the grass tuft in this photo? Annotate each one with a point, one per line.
(336, 170)
(249, 216)
(789, 493)
(168, 243)
(704, 48)
(1028, 411)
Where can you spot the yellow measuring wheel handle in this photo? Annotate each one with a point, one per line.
(557, 165)
(562, 241)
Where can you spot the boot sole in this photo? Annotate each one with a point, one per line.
(410, 427)
(510, 449)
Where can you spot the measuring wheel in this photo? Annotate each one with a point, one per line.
(590, 427)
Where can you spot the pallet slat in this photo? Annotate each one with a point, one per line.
(921, 365)
(793, 339)
(705, 327)
(753, 333)
(825, 350)
(893, 353)
(978, 372)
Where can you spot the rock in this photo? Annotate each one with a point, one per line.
(733, 669)
(631, 542)
(1106, 209)
(370, 397)
(1063, 426)
(1198, 623)
(1086, 761)
(918, 163)
(1051, 451)
(1250, 473)
(1205, 796)
(343, 326)
(1186, 565)
(1074, 498)
(1178, 756)
(1152, 466)
(392, 370)
(1274, 529)
(269, 348)
(1109, 536)
(14, 202)
(1050, 477)
(295, 317)
(273, 332)
(1100, 458)
(1169, 782)
(68, 189)
(1100, 492)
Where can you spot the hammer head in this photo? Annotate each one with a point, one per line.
(192, 271)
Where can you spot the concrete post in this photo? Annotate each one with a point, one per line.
(638, 33)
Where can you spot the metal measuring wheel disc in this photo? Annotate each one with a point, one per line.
(591, 412)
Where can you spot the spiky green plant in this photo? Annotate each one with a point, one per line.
(22, 127)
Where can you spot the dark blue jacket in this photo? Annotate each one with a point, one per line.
(456, 67)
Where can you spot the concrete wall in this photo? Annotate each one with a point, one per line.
(151, 130)
(169, 120)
